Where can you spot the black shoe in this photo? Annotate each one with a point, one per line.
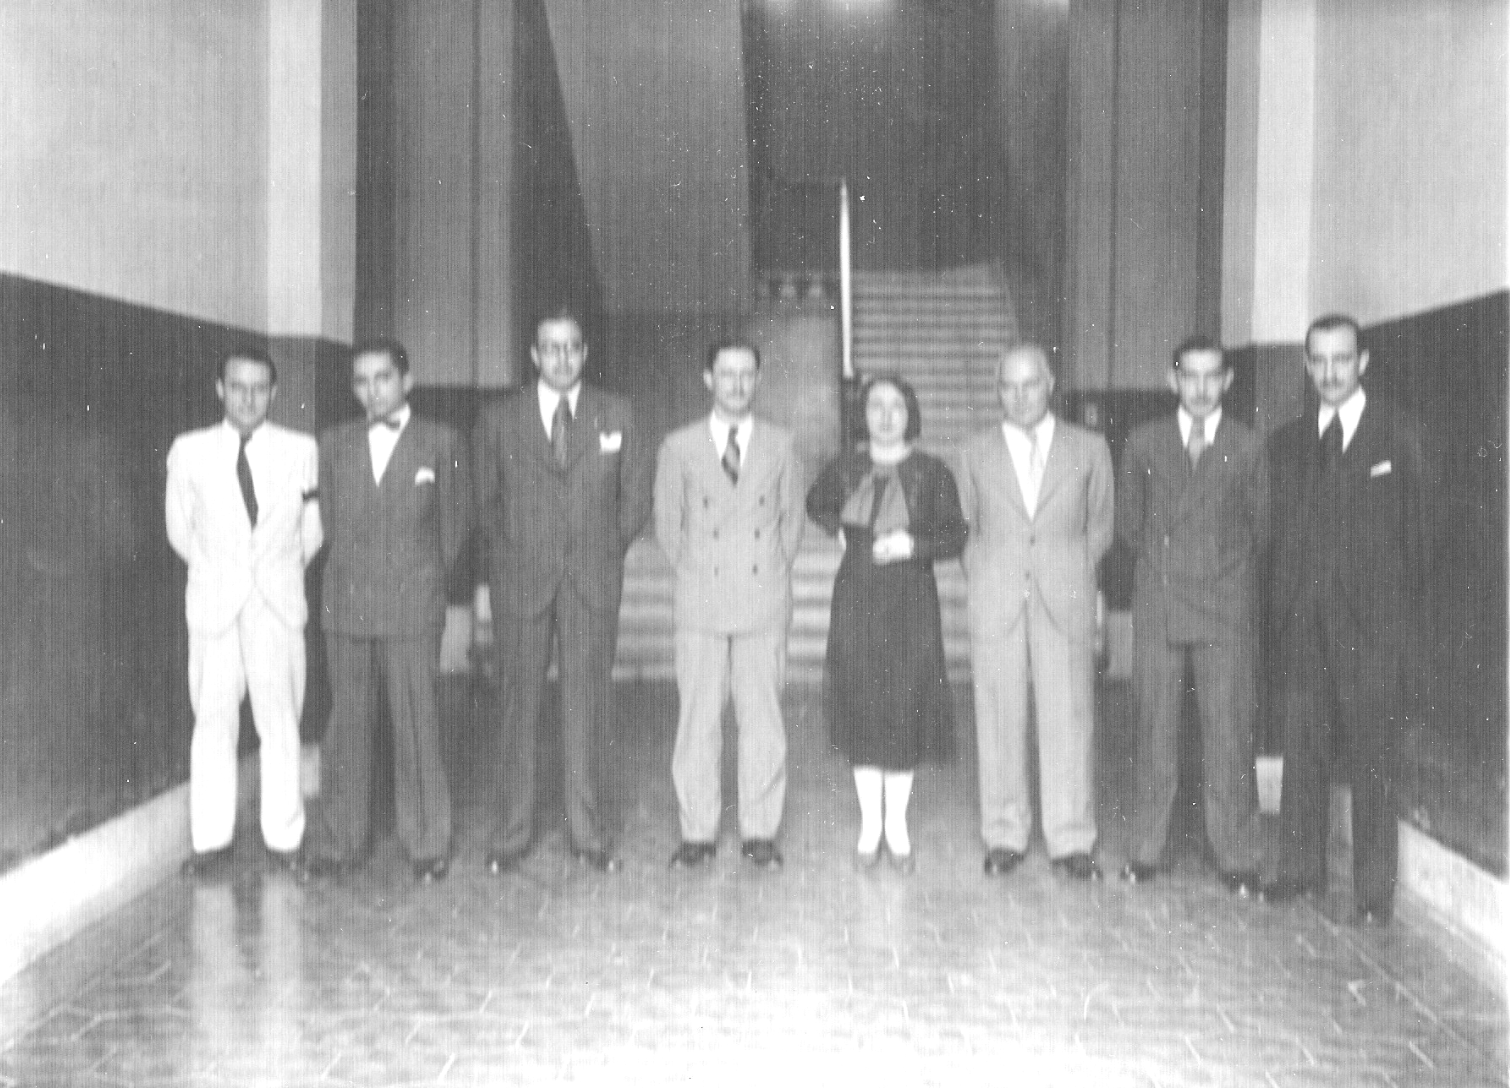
(1137, 873)
(763, 853)
(599, 859)
(208, 865)
(1375, 915)
(1001, 861)
(1077, 867)
(690, 855)
(432, 871)
(499, 862)
(290, 862)
(1242, 883)
(1284, 890)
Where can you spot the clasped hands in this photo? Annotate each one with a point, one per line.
(890, 547)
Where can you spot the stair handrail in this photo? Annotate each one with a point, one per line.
(846, 305)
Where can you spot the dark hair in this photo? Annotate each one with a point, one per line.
(383, 345)
(1198, 343)
(561, 311)
(1331, 322)
(250, 355)
(914, 413)
(730, 344)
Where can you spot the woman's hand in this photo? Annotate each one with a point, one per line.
(893, 547)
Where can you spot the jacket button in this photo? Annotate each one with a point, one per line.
(755, 570)
(715, 534)
(757, 534)
(705, 503)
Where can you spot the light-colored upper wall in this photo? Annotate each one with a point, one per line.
(1367, 156)
(654, 93)
(1411, 161)
(134, 162)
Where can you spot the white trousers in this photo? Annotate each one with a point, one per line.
(262, 656)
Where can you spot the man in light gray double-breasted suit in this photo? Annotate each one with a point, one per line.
(1037, 494)
(729, 514)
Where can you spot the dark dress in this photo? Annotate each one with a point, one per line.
(885, 692)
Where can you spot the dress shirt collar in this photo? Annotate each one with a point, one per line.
(1021, 441)
(234, 436)
(1350, 411)
(720, 431)
(1187, 421)
(550, 397)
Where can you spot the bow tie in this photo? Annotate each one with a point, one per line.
(391, 422)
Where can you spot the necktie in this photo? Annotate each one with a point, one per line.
(1197, 444)
(731, 455)
(1331, 444)
(561, 431)
(244, 478)
(1035, 465)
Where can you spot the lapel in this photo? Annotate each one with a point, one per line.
(1369, 445)
(1176, 458)
(584, 431)
(1057, 465)
(1008, 472)
(752, 461)
(537, 440)
(399, 475)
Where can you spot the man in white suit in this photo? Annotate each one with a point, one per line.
(242, 513)
(729, 515)
(1037, 494)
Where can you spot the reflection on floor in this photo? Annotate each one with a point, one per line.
(815, 974)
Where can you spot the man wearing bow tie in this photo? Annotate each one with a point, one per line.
(729, 515)
(563, 488)
(1350, 551)
(242, 513)
(1037, 494)
(397, 508)
(1193, 506)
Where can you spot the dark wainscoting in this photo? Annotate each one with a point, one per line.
(1449, 367)
(94, 713)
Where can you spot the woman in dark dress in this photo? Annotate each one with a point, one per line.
(885, 692)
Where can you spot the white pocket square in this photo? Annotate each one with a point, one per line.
(1383, 468)
(610, 441)
(424, 476)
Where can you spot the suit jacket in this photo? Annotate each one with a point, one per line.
(391, 543)
(732, 546)
(209, 528)
(1367, 529)
(1198, 535)
(547, 527)
(1010, 558)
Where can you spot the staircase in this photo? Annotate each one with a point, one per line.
(942, 332)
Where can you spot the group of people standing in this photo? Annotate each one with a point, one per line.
(1325, 523)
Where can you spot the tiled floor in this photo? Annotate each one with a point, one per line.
(812, 975)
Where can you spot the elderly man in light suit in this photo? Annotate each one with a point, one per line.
(1037, 494)
(242, 513)
(729, 514)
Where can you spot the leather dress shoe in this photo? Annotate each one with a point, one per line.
(1001, 861)
(290, 862)
(1243, 883)
(499, 862)
(1137, 873)
(598, 859)
(1284, 890)
(208, 865)
(1077, 867)
(763, 853)
(433, 870)
(690, 855)
(1375, 915)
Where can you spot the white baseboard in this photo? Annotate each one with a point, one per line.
(49, 899)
